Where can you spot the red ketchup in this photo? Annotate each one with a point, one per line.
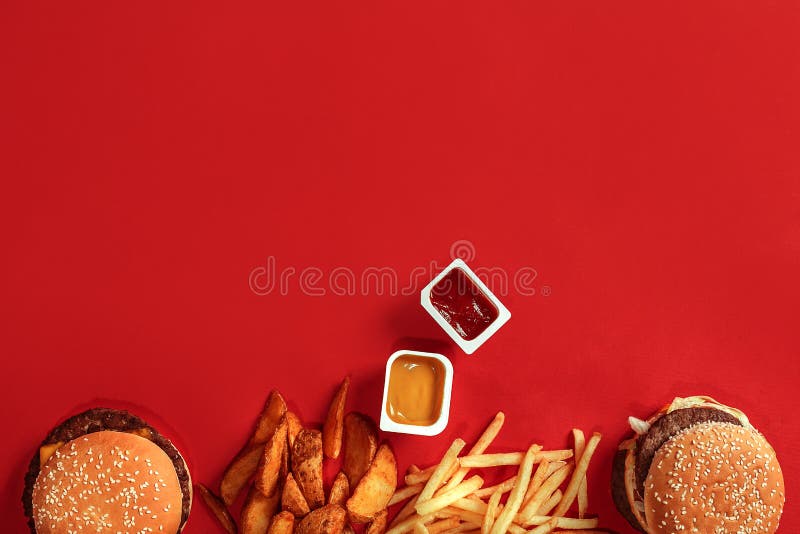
(463, 304)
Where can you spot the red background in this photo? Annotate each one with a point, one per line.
(642, 158)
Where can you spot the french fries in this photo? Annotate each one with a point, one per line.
(583, 496)
(307, 466)
(334, 423)
(375, 488)
(329, 519)
(217, 508)
(340, 490)
(360, 445)
(444, 494)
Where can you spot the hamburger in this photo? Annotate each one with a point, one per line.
(106, 471)
(697, 466)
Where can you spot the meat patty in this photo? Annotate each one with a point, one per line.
(96, 420)
(667, 426)
(618, 492)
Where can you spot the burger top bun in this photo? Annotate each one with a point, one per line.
(714, 477)
(121, 482)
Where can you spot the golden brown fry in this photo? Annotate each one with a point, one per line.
(407, 524)
(257, 511)
(491, 510)
(508, 514)
(307, 466)
(412, 469)
(272, 461)
(375, 488)
(404, 493)
(504, 486)
(480, 446)
(329, 519)
(419, 528)
(537, 480)
(340, 490)
(551, 503)
(437, 477)
(334, 423)
(580, 473)
(245, 463)
(436, 503)
(545, 490)
(292, 499)
(406, 511)
(360, 444)
(421, 477)
(217, 508)
(282, 523)
(443, 525)
(378, 523)
(583, 495)
(511, 458)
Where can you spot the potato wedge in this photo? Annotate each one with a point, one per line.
(245, 463)
(375, 488)
(282, 523)
(378, 523)
(295, 425)
(218, 509)
(360, 444)
(307, 466)
(330, 519)
(340, 490)
(271, 464)
(292, 499)
(257, 511)
(334, 423)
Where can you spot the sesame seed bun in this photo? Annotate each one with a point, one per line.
(107, 482)
(714, 477)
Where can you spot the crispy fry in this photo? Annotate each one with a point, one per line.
(406, 511)
(544, 491)
(375, 488)
(580, 473)
(360, 445)
(551, 503)
(340, 490)
(583, 495)
(504, 487)
(443, 525)
(437, 477)
(245, 463)
(511, 458)
(407, 524)
(419, 528)
(378, 523)
(439, 502)
(257, 511)
(508, 514)
(292, 499)
(536, 480)
(491, 510)
(404, 493)
(480, 446)
(543, 529)
(329, 519)
(334, 423)
(565, 522)
(412, 469)
(271, 464)
(421, 477)
(307, 466)
(217, 508)
(282, 523)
